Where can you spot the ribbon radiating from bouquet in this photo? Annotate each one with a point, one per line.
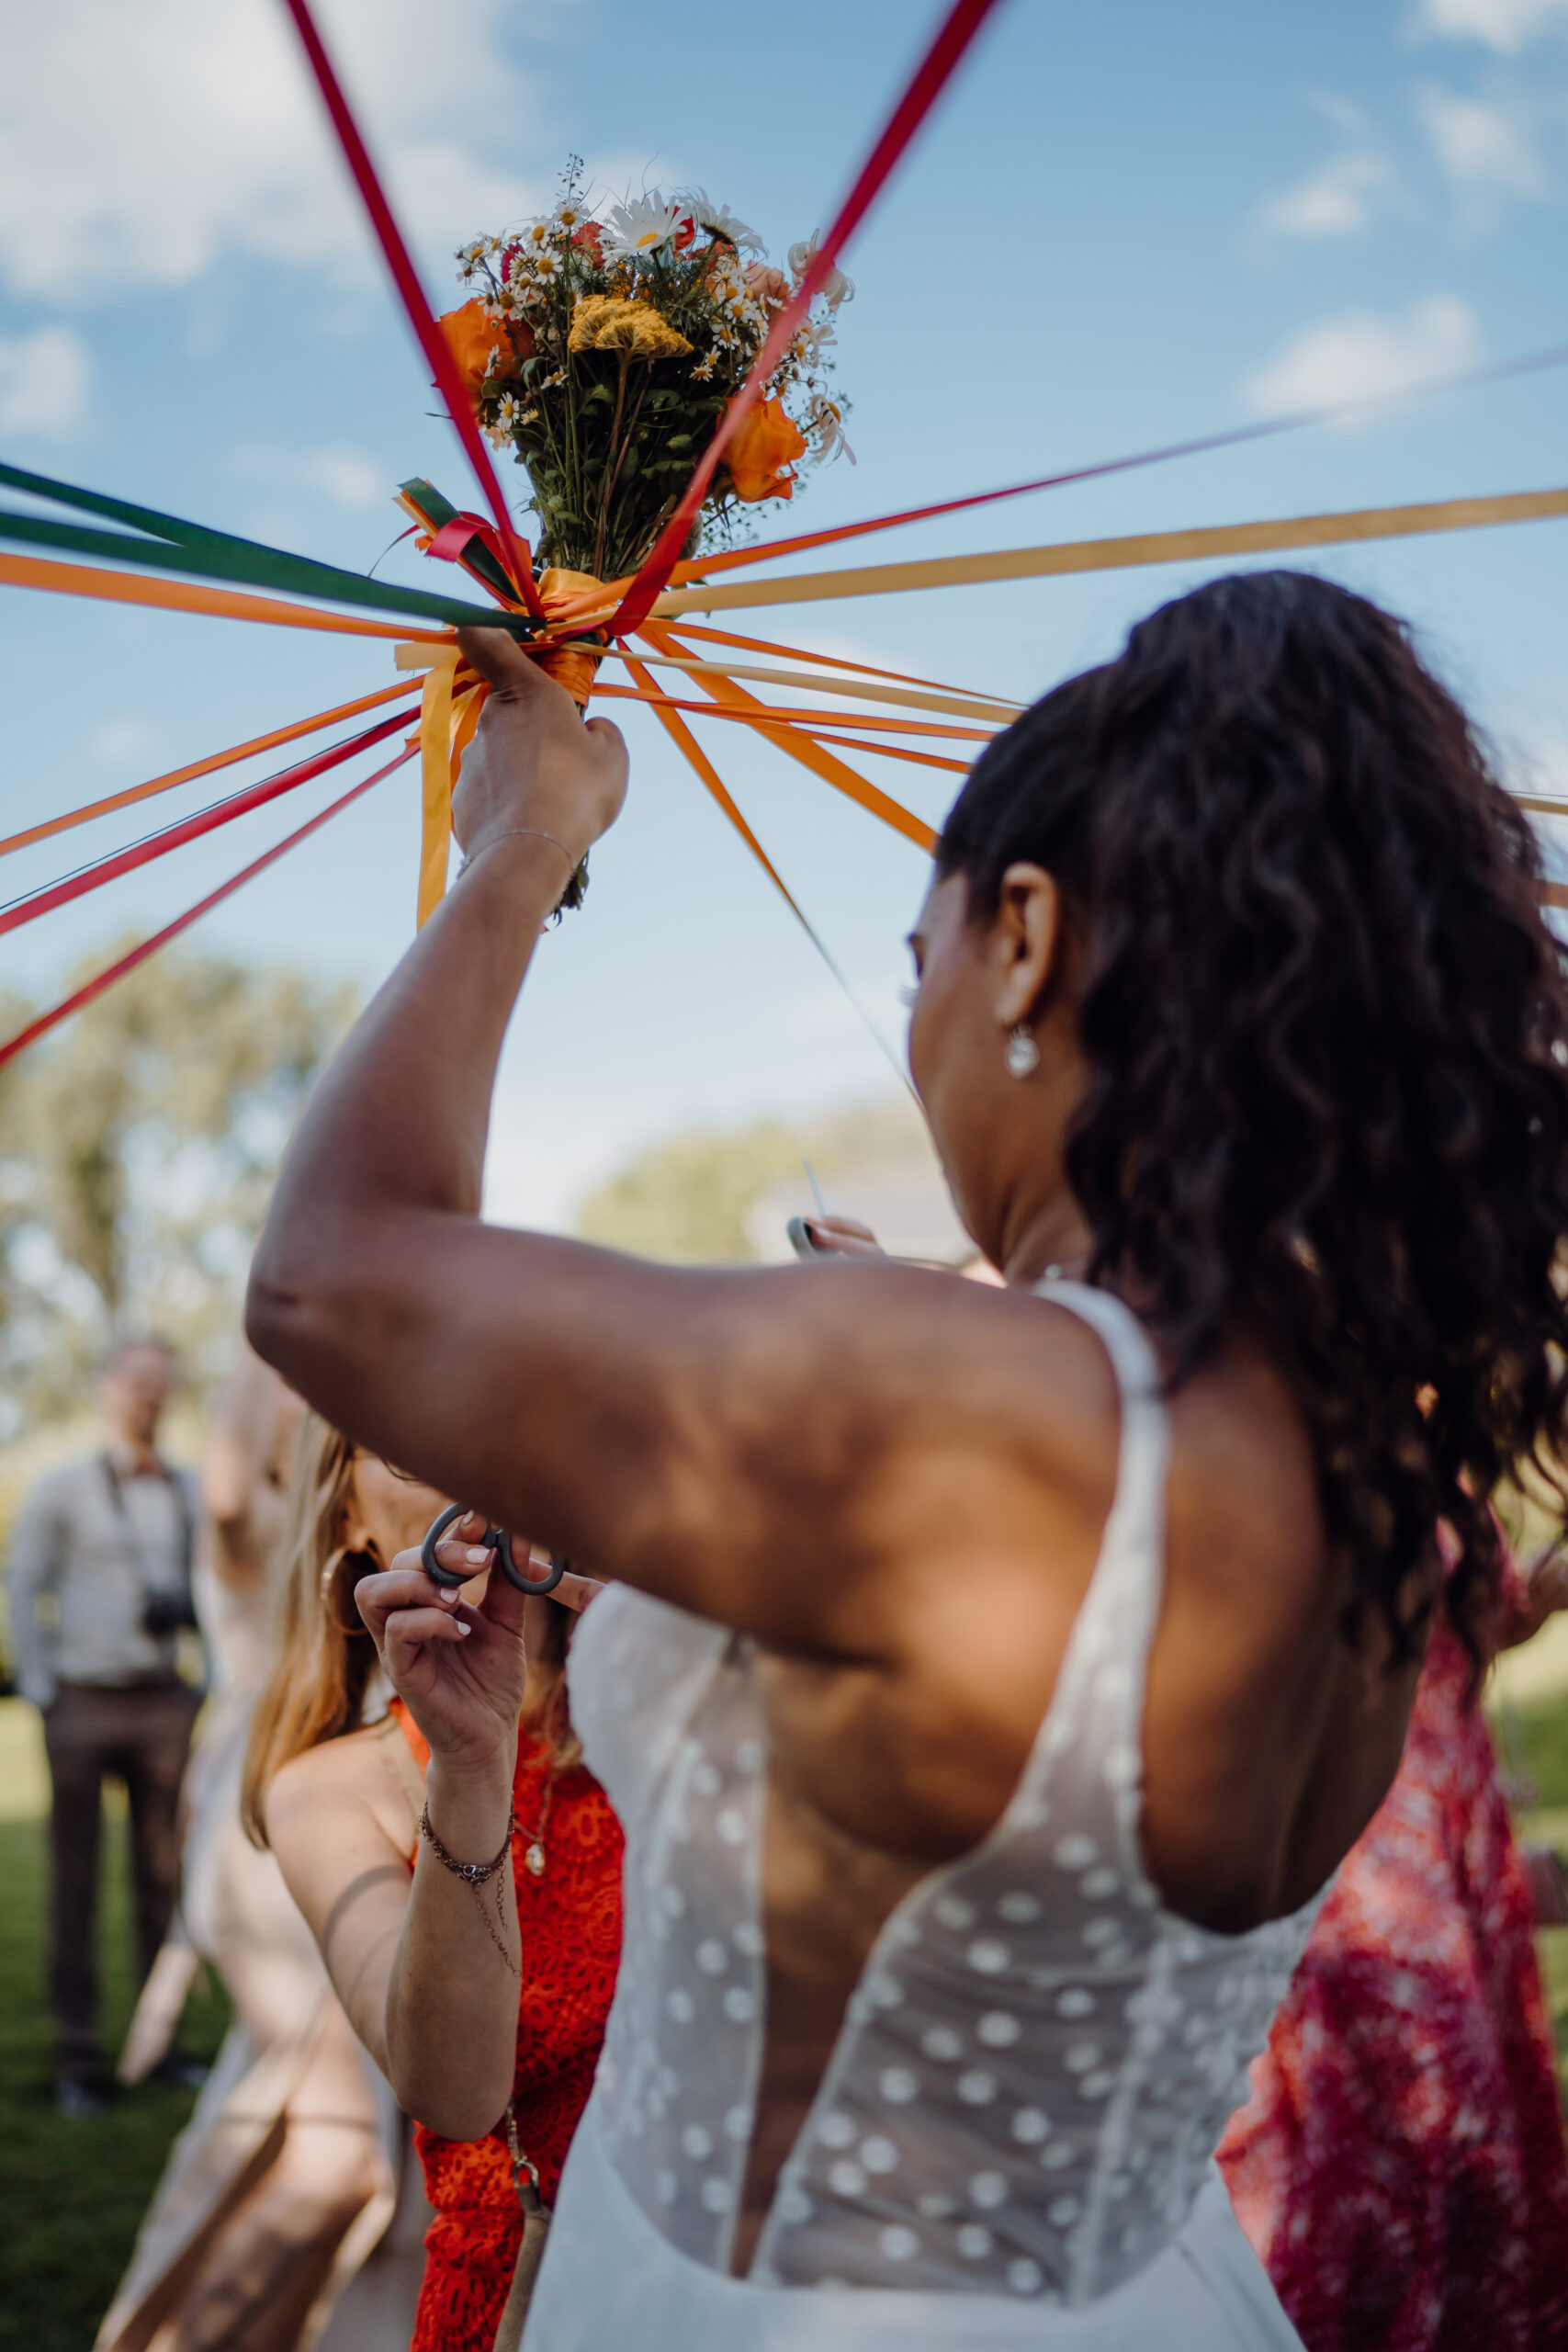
(637, 628)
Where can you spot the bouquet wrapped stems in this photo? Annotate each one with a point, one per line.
(568, 664)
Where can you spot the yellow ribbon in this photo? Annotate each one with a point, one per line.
(445, 729)
(1111, 555)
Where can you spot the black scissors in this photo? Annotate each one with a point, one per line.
(498, 1538)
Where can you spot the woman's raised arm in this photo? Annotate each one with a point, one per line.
(755, 1445)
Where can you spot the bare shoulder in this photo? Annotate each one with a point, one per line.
(349, 1781)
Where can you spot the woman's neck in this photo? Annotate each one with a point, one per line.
(1053, 1240)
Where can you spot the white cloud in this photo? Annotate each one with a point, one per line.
(43, 382)
(344, 477)
(1336, 200)
(1361, 355)
(1486, 151)
(1504, 25)
(143, 146)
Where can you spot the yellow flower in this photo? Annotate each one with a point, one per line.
(606, 322)
(761, 457)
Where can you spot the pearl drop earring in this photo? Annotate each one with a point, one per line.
(1022, 1055)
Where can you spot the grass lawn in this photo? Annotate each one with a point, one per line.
(1541, 1731)
(71, 2193)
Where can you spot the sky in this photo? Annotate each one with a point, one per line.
(1126, 224)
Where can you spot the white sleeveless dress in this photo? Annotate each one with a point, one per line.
(1011, 2143)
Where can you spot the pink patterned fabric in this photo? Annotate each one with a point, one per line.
(1400, 2167)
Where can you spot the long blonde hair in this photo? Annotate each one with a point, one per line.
(323, 1657)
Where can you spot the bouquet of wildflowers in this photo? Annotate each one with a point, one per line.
(604, 352)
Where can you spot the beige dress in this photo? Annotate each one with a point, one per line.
(288, 2174)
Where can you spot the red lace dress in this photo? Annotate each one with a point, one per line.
(570, 1920)
(1400, 2167)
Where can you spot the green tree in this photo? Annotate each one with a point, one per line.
(137, 1148)
(687, 1199)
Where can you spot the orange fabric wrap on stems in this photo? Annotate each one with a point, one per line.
(570, 667)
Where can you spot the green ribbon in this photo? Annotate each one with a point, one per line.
(177, 546)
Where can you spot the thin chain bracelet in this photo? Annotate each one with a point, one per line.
(477, 1875)
(519, 833)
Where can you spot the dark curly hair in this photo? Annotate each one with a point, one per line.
(1326, 1029)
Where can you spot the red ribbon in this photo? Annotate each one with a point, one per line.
(963, 22)
(190, 829)
(433, 343)
(450, 540)
(701, 567)
(149, 947)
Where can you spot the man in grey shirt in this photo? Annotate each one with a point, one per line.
(99, 1581)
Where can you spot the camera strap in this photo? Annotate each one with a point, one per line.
(182, 1591)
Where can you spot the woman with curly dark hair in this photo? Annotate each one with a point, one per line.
(992, 1679)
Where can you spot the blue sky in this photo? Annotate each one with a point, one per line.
(1128, 222)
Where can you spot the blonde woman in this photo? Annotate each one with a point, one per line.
(284, 2179)
(335, 1784)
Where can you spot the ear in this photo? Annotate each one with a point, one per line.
(1027, 942)
(351, 1532)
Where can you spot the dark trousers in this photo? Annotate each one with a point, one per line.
(142, 1735)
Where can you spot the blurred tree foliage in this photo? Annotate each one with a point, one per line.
(137, 1148)
(687, 1200)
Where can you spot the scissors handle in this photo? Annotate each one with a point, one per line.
(499, 1541)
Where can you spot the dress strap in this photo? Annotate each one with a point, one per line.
(1098, 1700)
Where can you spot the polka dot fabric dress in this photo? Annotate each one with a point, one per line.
(570, 1920)
(1017, 2120)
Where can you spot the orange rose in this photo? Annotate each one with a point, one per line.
(761, 457)
(472, 336)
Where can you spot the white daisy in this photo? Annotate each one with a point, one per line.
(641, 226)
(835, 288)
(718, 220)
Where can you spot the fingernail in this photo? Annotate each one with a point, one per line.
(446, 1594)
(477, 1555)
(462, 1625)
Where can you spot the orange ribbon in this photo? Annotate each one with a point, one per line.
(199, 767)
(182, 596)
(823, 763)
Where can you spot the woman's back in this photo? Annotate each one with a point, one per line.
(1037, 2055)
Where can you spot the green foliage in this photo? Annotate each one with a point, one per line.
(686, 1200)
(137, 1146)
(1542, 1741)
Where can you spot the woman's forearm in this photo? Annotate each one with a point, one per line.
(452, 1999)
(398, 1125)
